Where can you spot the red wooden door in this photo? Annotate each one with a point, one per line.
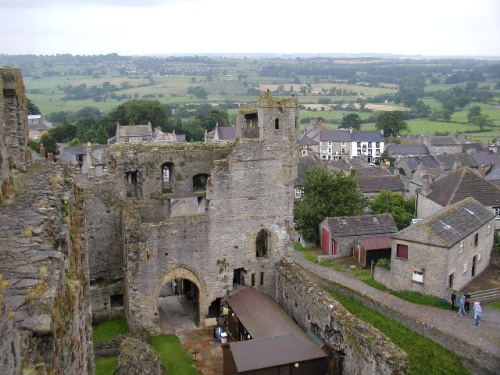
(325, 240)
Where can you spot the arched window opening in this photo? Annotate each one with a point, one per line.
(262, 244)
(277, 123)
(167, 170)
(200, 182)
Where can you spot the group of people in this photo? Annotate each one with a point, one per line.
(464, 306)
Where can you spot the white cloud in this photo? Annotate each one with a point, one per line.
(443, 27)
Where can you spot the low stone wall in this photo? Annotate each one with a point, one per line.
(382, 275)
(325, 258)
(482, 362)
(364, 349)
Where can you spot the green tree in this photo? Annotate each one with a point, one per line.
(217, 115)
(402, 210)
(483, 121)
(474, 111)
(351, 120)
(391, 122)
(325, 195)
(139, 112)
(49, 143)
(33, 109)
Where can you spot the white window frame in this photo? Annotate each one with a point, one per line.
(497, 213)
(479, 256)
(304, 152)
(298, 193)
(465, 268)
(104, 168)
(461, 248)
(329, 143)
(418, 276)
(342, 150)
(489, 228)
(342, 143)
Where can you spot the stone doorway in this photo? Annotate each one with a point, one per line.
(179, 306)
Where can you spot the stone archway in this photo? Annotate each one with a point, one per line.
(184, 275)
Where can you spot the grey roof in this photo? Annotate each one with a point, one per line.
(493, 173)
(443, 141)
(407, 150)
(305, 163)
(463, 183)
(448, 161)
(367, 136)
(374, 184)
(135, 130)
(227, 133)
(272, 352)
(427, 160)
(335, 136)
(449, 225)
(261, 315)
(306, 141)
(486, 157)
(366, 225)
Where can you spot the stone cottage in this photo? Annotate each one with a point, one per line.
(443, 252)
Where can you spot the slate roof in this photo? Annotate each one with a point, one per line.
(305, 163)
(306, 141)
(486, 157)
(373, 184)
(227, 133)
(463, 183)
(449, 225)
(335, 136)
(427, 160)
(443, 141)
(407, 150)
(366, 225)
(447, 161)
(367, 136)
(135, 130)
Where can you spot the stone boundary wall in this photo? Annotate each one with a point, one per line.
(325, 258)
(483, 362)
(365, 349)
(382, 275)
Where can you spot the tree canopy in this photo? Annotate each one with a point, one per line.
(391, 122)
(402, 210)
(326, 195)
(351, 120)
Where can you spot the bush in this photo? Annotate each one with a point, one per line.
(384, 263)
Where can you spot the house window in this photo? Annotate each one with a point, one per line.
(377, 151)
(329, 143)
(377, 144)
(370, 144)
(402, 251)
(479, 256)
(418, 276)
(489, 228)
(342, 144)
(253, 279)
(497, 212)
(105, 168)
(304, 152)
(465, 268)
(358, 145)
(342, 150)
(277, 123)
(127, 139)
(262, 278)
(476, 239)
(262, 244)
(461, 247)
(144, 139)
(298, 193)
(329, 150)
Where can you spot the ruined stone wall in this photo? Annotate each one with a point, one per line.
(14, 128)
(364, 349)
(10, 343)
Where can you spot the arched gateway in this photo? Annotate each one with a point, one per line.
(184, 272)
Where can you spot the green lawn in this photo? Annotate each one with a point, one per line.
(109, 329)
(173, 356)
(105, 366)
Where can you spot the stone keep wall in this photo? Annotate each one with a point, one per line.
(177, 228)
(364, 349)
(14, 128)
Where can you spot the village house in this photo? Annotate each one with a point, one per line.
(444, 251)
(438, 145)
(367, 144)
(334, 144)
(338, 234)
(400, 151)
(447, 162)
(457, 185)
(132, 134)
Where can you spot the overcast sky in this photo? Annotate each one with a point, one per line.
(141, 27)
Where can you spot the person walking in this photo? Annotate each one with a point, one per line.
(467, 302)
(478, 311)
(453, 299)
(461, 302)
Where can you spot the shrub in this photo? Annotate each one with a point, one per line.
(384, 263)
